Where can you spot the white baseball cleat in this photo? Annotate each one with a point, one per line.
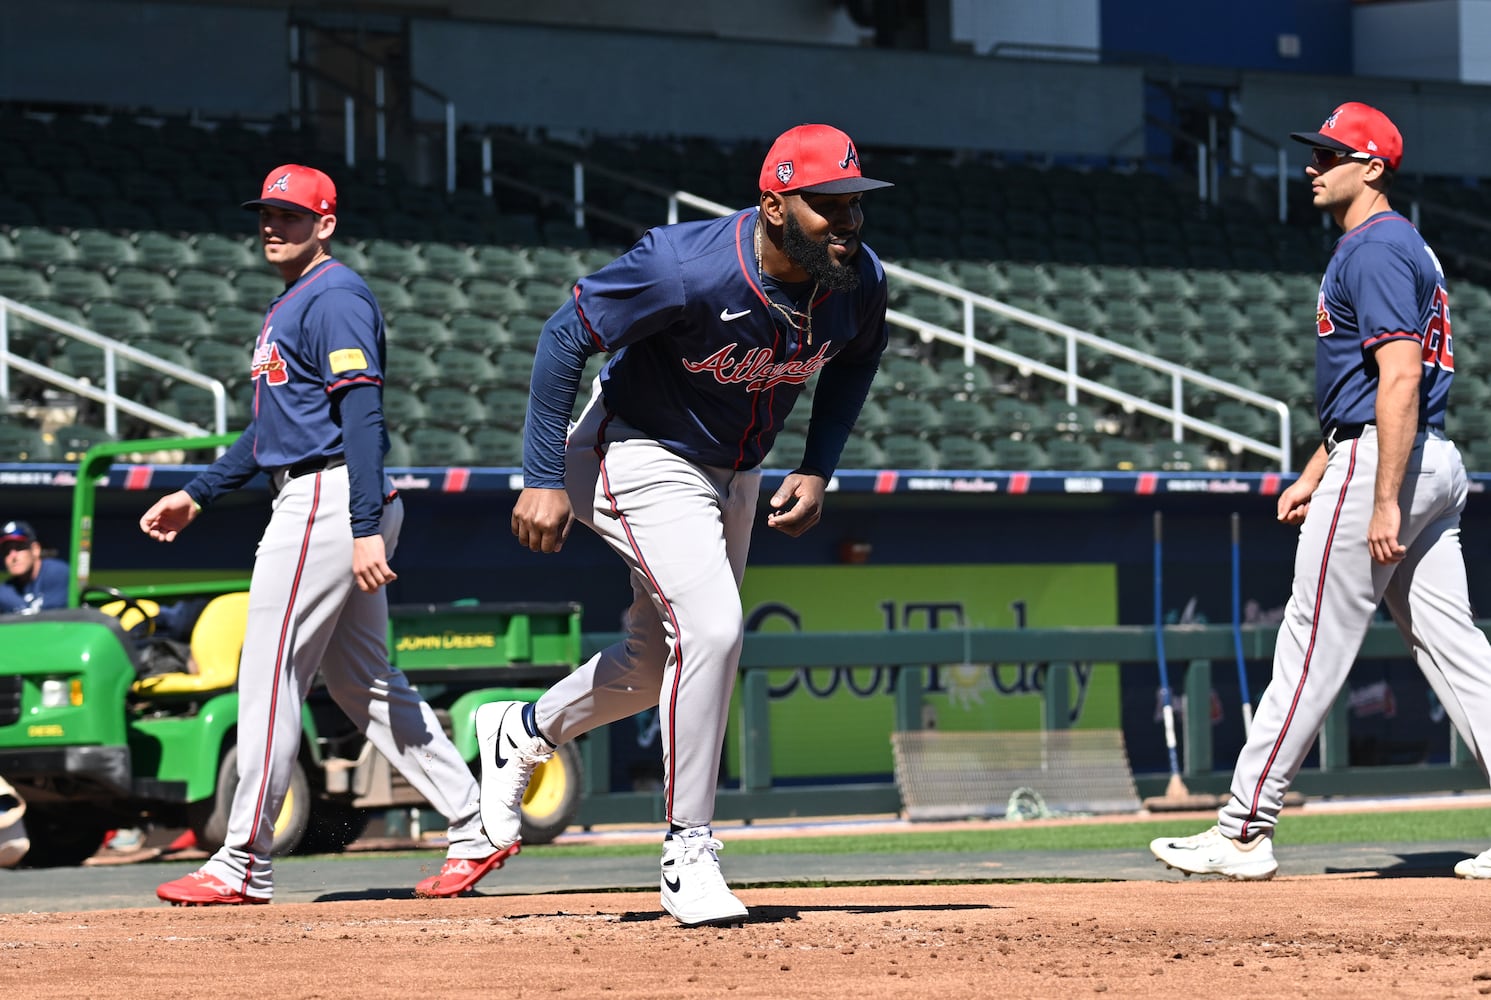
(1476, 867)
(1214, 853)
(694, 889)
(509, 753)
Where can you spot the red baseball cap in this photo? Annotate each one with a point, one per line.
(298, 188)
(815, 159)
(1358, 128)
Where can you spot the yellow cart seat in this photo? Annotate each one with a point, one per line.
(217, 642)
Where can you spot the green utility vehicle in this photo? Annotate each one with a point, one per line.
(95, 738)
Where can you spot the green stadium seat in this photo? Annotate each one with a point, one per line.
(449, 406)
(392, 260)
(872, 416)
(179, 324)
(410, 366)
(1013, 415)
(907, 376)
(1286, 382)
(1019, 455)
(24, 443)
(24, 284)
(100, 249)
(542, 297)
(1075, 419)
(964, 453)
(1071, 454)
(72, 440)
(1084, 314)
(968, 417)
(1075, 281)
(439, 447)
(36, 246)
(237, 325)
(402, 407)
(1184, 456)
(79, 285)
(223, 253)
(524, 330)
(497, 446)
(163, 251)
(1213, 286)
(476, 332)
(1119, 283)
(786, 450)
(417, 330)
(1257, 288)
(1029, 280)
(464, 367)
(222, 360)
(860, 452)
(1221, 317)
(1128, 322)
(555, 265)
(488, 297)
(506, 407)
(501, 263)
(929, 307)
(257, 286)
(1173, 316)
(1036, 344)
(1137, 380)
(1243, 418)
(199, 289)
(437, 296)
(447, 262)
(117, 320)
(399, 456)
(1168, 285)
(1124, 454)
(391, 296)
(911, 416)
(138, 286)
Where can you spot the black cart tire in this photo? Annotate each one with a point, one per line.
(209, 818)
(553, 798)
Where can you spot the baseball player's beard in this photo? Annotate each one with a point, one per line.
(814, 258)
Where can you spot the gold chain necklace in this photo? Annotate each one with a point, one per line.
(801, 321)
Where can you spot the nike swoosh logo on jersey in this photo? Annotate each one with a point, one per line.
(726, 315)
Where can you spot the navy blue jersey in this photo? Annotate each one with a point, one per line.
(48, 590)
(1383, 283)
(701, 360)
(321, 334)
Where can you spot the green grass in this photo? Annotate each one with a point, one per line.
(1473, 826)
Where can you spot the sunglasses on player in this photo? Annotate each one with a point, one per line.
(1322, 158)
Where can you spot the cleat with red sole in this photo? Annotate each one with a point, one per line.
(458, 875)
(201, 889)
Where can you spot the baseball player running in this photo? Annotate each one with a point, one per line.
(713, 328)
(1380, 500)
(316, 598)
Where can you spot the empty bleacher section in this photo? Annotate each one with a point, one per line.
(131, 228)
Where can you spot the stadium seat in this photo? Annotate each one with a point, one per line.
(392, 260)
(1071, 454)
(1075, 281)
(1213, 286)
(399, 456)
(505, 407)
(480, 333)
(79, 285)
(555, 265)
(860, 452)
(100, 249)
(497, 446)
(906, 415)
(257, 286)
(236, 325)
(1123, 454)
(70, 441)
(201, 289)
(1243, 418)
(24, 284)
(222, 360)
(930, 307)
(968, 417)
(1013, 415)
(448, 406)
(163, 251)
(872, 417)
(488, 297)
(226, 254)
(524, 330)
(501, 263)
(1028, 280)
(1019, 455)
(541, 297)
(402, 407)
(24, 443)
(463, 367)
(36, 245)
(122, 322)
(786, 450)
(417, 330)
(138, 286)
(194, 404)
(963, 453)
(439, 447)
(1184, 456)
(907, 376)
(1168, 285)
(448, 263)
(437, 296)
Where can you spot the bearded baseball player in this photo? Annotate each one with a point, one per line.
(1379, 502)
(316, 599)
(712, 328)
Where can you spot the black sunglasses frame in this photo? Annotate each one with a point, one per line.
(1323, 158)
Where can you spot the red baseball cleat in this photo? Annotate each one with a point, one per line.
(459, 874)
(201, 889)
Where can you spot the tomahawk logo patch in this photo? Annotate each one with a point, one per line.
(784, 171)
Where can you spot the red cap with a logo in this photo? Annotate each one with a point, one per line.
(1358, 128)
(815, 159)
(298, 188)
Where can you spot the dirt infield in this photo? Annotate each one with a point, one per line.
(1328, 936)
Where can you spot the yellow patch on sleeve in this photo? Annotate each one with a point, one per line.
(348, 359)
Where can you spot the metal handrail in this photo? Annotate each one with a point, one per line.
(108, 395)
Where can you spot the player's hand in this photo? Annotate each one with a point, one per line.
(168, 516)
(1294, 502)
(370, 563)
(542, 519)
(1382, 534)
(797, 504)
